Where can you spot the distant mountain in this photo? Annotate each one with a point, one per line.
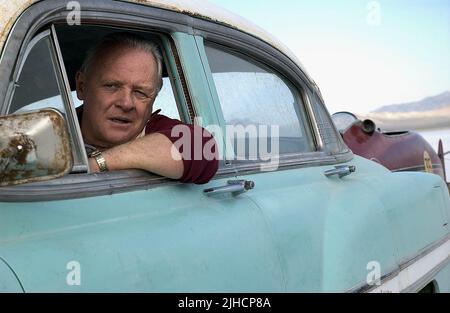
(428, 104)
(431, 112)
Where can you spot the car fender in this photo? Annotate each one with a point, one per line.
(8, 279)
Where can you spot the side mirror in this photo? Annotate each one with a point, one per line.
(34, 146)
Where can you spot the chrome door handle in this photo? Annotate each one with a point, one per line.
(340, 170)
(233, 186)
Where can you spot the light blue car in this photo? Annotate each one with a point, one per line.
(302, 214)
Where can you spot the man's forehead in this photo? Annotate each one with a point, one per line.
(129, 65)
(132, 56)
(117, 54)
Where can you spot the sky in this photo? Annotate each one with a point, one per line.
(362, 54)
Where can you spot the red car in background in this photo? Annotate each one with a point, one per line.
(397, 151)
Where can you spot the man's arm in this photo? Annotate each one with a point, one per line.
(158, 152)
(152, 153)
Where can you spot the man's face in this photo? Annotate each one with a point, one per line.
(118, 91)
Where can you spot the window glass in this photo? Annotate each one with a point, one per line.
(166, 101)
(37, 86)
(331, 139)
(252, 95)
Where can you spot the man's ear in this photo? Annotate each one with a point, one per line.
(80, 84)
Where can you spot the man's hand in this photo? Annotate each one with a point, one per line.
(152, 153)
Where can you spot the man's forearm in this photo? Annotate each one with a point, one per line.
(152, 153)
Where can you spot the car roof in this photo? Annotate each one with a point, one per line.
(198, 8)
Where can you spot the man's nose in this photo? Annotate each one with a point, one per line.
(125, 100)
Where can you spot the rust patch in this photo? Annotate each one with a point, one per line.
(19, 147)
(15, 155)
(11, 10)
(180, 71)
(210, 19)
(179, 8)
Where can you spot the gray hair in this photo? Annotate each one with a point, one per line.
(125, 39)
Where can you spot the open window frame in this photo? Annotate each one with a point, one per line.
(66, 83)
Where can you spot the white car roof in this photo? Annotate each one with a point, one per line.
(199, 8)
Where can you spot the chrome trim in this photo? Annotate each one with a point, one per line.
(316, 134)
(427, 278)
(80, 168)
(235, 187)
(340, 170)
(417, 286)
(417, 168)
(75, 186)
(313, 159)
(70, 108)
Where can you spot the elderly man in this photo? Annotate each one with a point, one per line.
(118, 83)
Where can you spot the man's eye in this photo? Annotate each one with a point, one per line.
(110, 86)
(141, 94)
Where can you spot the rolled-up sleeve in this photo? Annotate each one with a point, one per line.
(195, 144)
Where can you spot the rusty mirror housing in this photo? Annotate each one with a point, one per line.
(34, 146)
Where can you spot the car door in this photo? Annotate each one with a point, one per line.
(319, 223)
(126, 230)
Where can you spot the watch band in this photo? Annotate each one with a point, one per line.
(97, 155)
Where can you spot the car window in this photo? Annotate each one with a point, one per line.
(251, 94)
(75, 41)
(39, 86)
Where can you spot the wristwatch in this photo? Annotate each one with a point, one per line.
(97, 155)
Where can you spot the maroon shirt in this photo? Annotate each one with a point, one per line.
(195, 171)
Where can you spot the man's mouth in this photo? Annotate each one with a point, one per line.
(121, 120)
